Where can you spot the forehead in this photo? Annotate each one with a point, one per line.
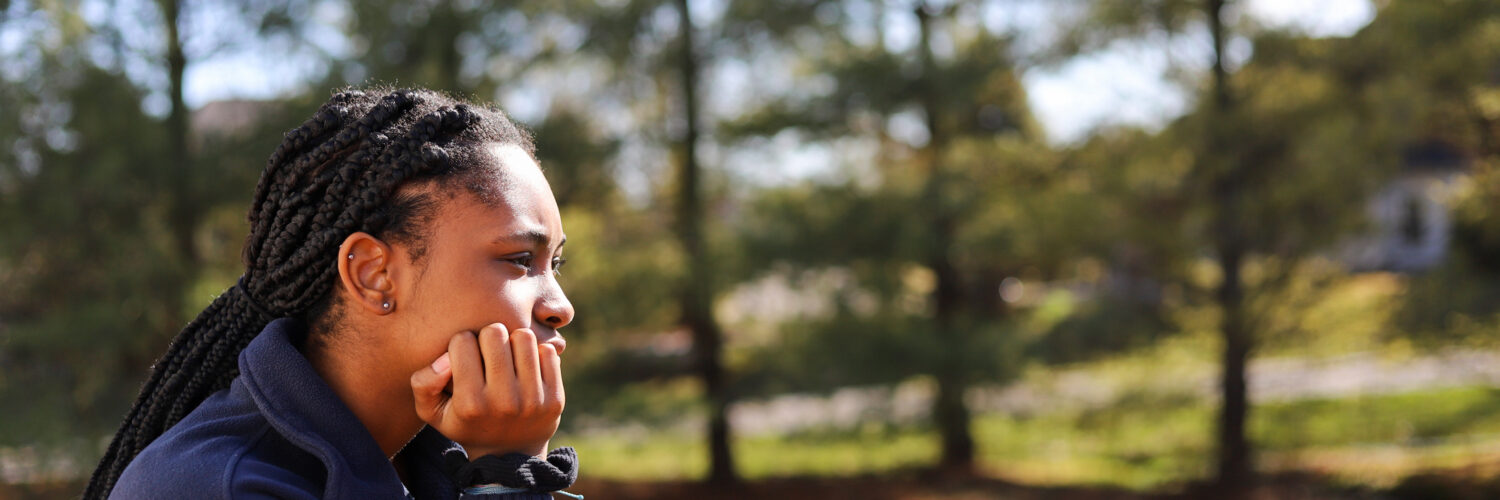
(509, 194)
(517, 179)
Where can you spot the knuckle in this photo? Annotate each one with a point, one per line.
(529, 407)
(493, 332)
(467, 410)
(509, 412)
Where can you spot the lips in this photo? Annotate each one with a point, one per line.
(558, 343)
(552, 337)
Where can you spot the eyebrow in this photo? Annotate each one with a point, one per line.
(531, 236)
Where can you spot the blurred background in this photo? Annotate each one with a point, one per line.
(842, 249)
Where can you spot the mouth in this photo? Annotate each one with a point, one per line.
(553, 338)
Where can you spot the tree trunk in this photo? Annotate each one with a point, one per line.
(442, 33)
(177, 130)
(697, 288)
(177, 175)
(1235, 467)
(949, 411)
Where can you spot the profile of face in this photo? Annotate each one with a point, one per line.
(484, 260)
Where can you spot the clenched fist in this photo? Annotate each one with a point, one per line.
(495, 393)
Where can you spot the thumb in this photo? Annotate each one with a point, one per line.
(427, 386)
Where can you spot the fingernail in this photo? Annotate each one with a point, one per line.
(441, 365)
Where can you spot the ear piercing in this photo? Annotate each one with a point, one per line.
(351, 255)
(386, 305)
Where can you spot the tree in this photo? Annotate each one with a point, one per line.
(1263, 187)
(697, 291)
(922, 207)
(78, 246)
(110, 218)
(1448, 103)
(657, 66)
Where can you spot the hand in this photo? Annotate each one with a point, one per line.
(506, 392)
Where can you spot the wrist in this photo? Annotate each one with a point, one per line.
(515, 470)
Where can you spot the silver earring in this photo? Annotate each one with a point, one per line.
(386, 305)
(351, 256)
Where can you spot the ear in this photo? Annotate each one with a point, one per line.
(365, 272)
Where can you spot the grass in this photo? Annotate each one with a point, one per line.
(1156, 432)
(1142, 442)
(673, 455)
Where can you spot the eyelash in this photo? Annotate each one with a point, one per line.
(526, 262)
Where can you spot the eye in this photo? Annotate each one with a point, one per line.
(523, 261)
(557, 263)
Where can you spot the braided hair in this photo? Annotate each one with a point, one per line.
(337, 174)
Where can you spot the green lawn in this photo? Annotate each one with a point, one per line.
(1156, 432)
(1139, 443)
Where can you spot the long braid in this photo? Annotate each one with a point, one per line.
(337, 173)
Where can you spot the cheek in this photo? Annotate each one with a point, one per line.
(491, 298)
(466, 302)
(512, 304)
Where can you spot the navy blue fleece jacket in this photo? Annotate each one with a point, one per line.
(280, 432)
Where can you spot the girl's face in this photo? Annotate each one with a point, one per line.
(486, 262)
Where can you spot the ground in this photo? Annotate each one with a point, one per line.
(894, 486)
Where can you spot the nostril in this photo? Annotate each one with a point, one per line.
(554, 320)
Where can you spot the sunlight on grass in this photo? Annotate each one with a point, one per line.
(1143, 441)
(1354, 314)
(837, 453)
(829, 453)
(1155, 429)
(639, 456)
(1136, 444)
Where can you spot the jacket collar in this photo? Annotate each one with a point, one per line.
(301, 407)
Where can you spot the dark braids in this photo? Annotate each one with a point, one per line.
(339, 173)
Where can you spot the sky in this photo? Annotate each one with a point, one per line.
(1125, 85)
(1122, 85)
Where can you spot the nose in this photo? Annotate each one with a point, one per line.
(553, 308)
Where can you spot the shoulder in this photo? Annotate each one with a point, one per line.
(221, 450)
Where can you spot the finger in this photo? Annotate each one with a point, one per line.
(528, 373)
(553, 397)
(468, 369)
(499, 369)
(427, 386)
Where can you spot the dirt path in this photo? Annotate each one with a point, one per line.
(1271, 380)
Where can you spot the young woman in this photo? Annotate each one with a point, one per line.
(399, 296)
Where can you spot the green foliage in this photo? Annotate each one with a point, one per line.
(1476, 227)
(1108, 238)
(1100, 327)
(1449, 95)
(1101, 23)
(577, 162)
(80, 254)
(873, 348)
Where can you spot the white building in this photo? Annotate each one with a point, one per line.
(1411, 217)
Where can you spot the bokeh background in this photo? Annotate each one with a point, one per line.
(842, 249)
